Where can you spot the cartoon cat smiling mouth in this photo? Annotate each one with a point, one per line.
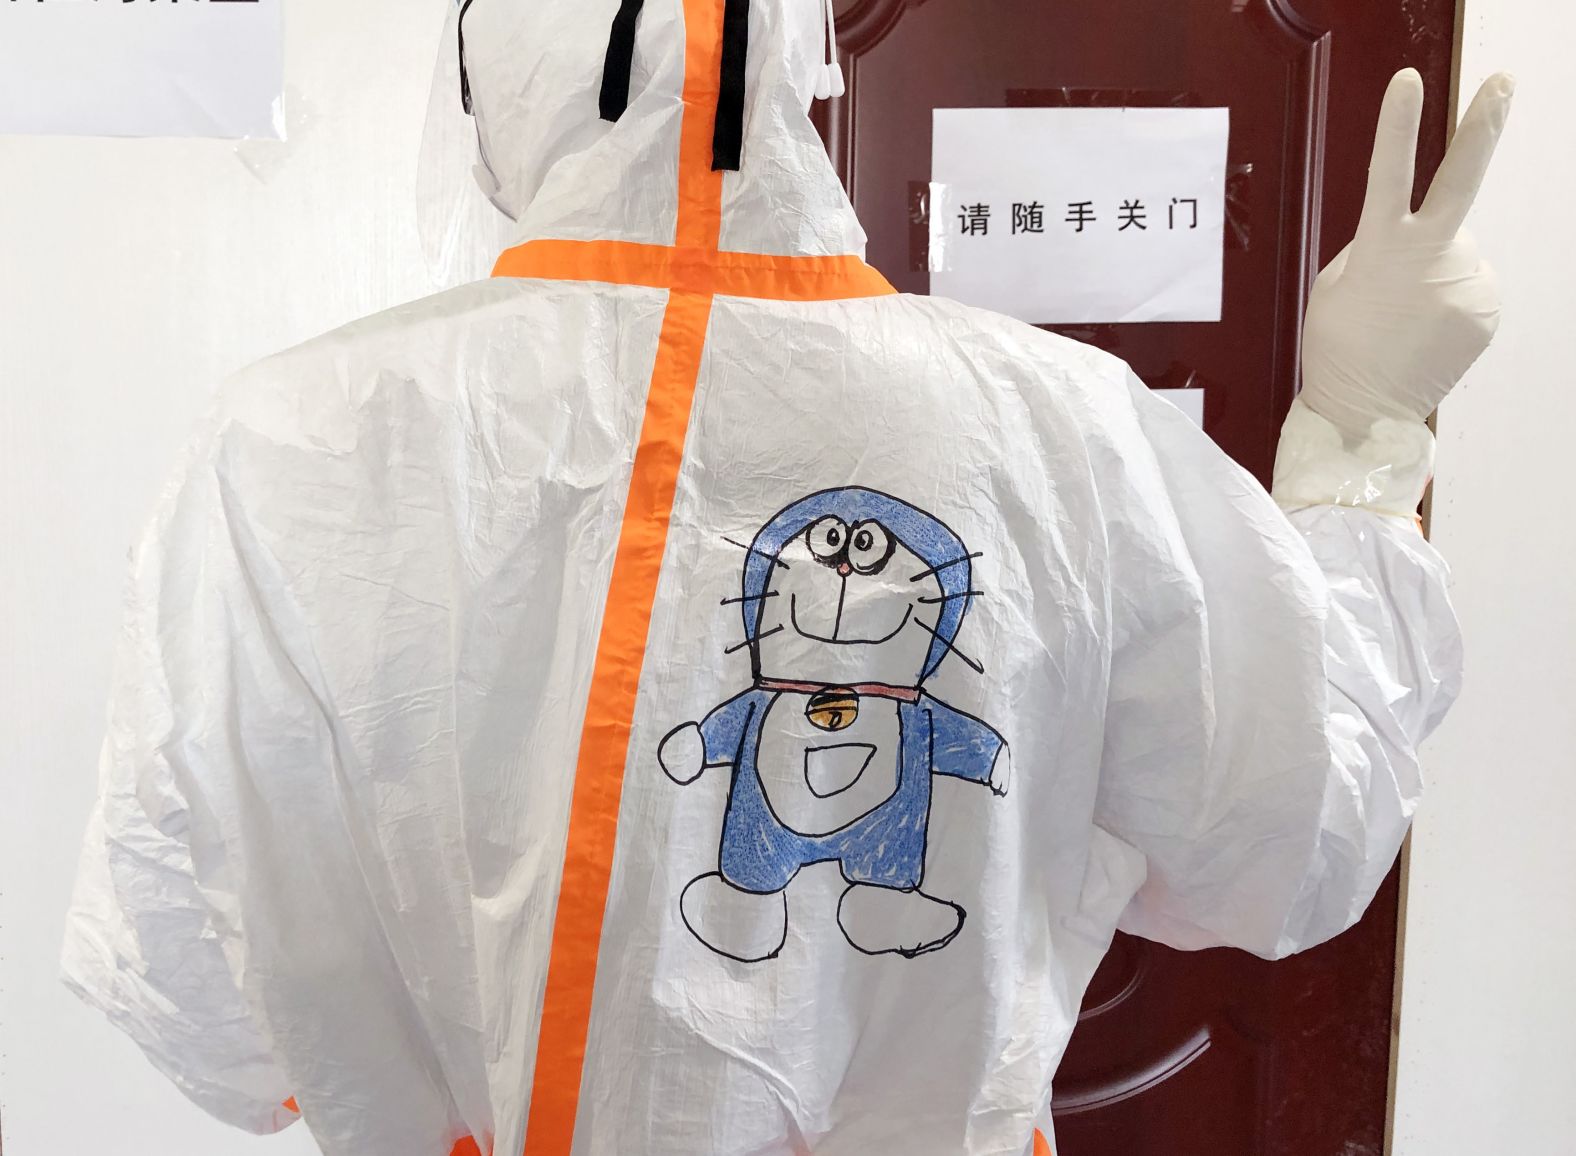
(793, 617)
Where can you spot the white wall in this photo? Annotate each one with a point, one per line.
(1488, 1018)
(133, 275)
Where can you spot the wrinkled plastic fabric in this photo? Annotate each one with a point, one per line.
(460, 229)
(1385, 471)
(362, 630)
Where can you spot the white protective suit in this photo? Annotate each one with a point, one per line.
(678, 698)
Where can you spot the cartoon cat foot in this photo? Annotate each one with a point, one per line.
(879, 920)
(743, 925)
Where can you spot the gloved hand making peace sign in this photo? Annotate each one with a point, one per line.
(1405, 309)
(1396, 319)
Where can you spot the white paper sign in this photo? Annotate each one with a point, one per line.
(1080, 215)
(142, 68)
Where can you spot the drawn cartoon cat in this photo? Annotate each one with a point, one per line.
(851, 600)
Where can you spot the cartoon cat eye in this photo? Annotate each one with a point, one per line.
(864, 547)
(827, 537)
(870, 547)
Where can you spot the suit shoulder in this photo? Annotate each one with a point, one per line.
(1028, 343)
(417, 354)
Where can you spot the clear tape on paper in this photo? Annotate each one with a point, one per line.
(939, 203)
(265, 158)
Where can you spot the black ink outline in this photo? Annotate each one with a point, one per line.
(743, 598)
(755, 657)
(752, 550)
(700, 725)
(946, 565)
(931, 630)
(748, 641)
(838, 548)
(990, 779)
(793, 617)
(1005, 745)
(924, 712)
(781, 893)
(880, 563)
(766, 795)
(906, 953)
(833, 694)
(870, 749)
(841, 555)
(663, 763)
(951, 597)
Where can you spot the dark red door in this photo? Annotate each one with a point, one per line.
(1213, 1052)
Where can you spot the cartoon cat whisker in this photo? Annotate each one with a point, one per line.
(760, 553)
(950, 597)
(753, 598)
(757, 638)
(923, 625)
(946, 566)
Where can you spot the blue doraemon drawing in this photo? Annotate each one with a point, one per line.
(851, 600)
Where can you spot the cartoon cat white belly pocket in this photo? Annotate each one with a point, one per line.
(821, 770)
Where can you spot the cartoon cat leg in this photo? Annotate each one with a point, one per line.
(879, 920)
(743, 925)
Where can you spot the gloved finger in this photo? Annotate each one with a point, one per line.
(1392, 168)
(1461, 173)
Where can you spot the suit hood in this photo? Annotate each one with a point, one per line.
(534, 74)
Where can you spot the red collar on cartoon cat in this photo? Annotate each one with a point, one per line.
(862, 689)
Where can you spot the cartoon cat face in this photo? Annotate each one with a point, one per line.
(847, 603)
(851, 586)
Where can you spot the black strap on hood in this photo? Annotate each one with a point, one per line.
(727, 139)
(620, 60)
(728, 134)
(465, 76)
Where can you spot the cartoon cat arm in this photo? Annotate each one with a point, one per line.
(688, 749)
(683, 753)
(966, 748)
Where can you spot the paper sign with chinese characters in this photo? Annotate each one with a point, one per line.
(142, 68)
(1080, 215)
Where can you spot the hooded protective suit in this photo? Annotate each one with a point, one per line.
(679, 697)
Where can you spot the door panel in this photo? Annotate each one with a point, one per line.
(1210, 1052)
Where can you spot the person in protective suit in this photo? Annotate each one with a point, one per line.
(679, 697)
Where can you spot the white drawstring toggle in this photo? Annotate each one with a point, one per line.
(834, 79)
(829, 79)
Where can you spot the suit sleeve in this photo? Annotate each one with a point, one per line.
(275, 901)
(144, 943)
(1272, 676)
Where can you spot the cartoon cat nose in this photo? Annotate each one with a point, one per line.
(844, 569)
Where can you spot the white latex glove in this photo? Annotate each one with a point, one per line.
(1402, 313)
